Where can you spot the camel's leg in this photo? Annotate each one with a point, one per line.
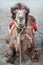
(11, 56)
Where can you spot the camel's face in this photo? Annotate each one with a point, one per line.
(20, 18)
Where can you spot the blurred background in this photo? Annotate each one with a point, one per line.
(36, 8)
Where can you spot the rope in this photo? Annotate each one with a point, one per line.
(40, 32)
(20, 50)
(20, 55)
(21, 46)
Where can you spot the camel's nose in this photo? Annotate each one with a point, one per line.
(21, 15)
(21, 18)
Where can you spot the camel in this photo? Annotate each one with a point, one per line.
(21, 39)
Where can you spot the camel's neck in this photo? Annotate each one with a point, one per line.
(20, 30)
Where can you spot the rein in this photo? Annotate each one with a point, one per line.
(40, 32)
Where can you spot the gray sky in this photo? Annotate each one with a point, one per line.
(4, 4)
(36, 6)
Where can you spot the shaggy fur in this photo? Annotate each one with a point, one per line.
(12, 45)
(19, 6)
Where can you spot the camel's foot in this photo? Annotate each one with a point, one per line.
(6, 54)
(35, 58)
(9, 60)
(33, 54)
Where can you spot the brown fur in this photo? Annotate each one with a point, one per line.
(19, 6)
(29, 31)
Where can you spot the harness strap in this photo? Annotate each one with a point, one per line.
(40, 32)
(30, 38)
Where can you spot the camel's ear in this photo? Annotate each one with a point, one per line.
(11, 9)
(28, 10)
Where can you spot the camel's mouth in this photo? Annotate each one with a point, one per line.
(20, 18)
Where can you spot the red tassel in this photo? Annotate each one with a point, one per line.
(11, 23)
(34, 26)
